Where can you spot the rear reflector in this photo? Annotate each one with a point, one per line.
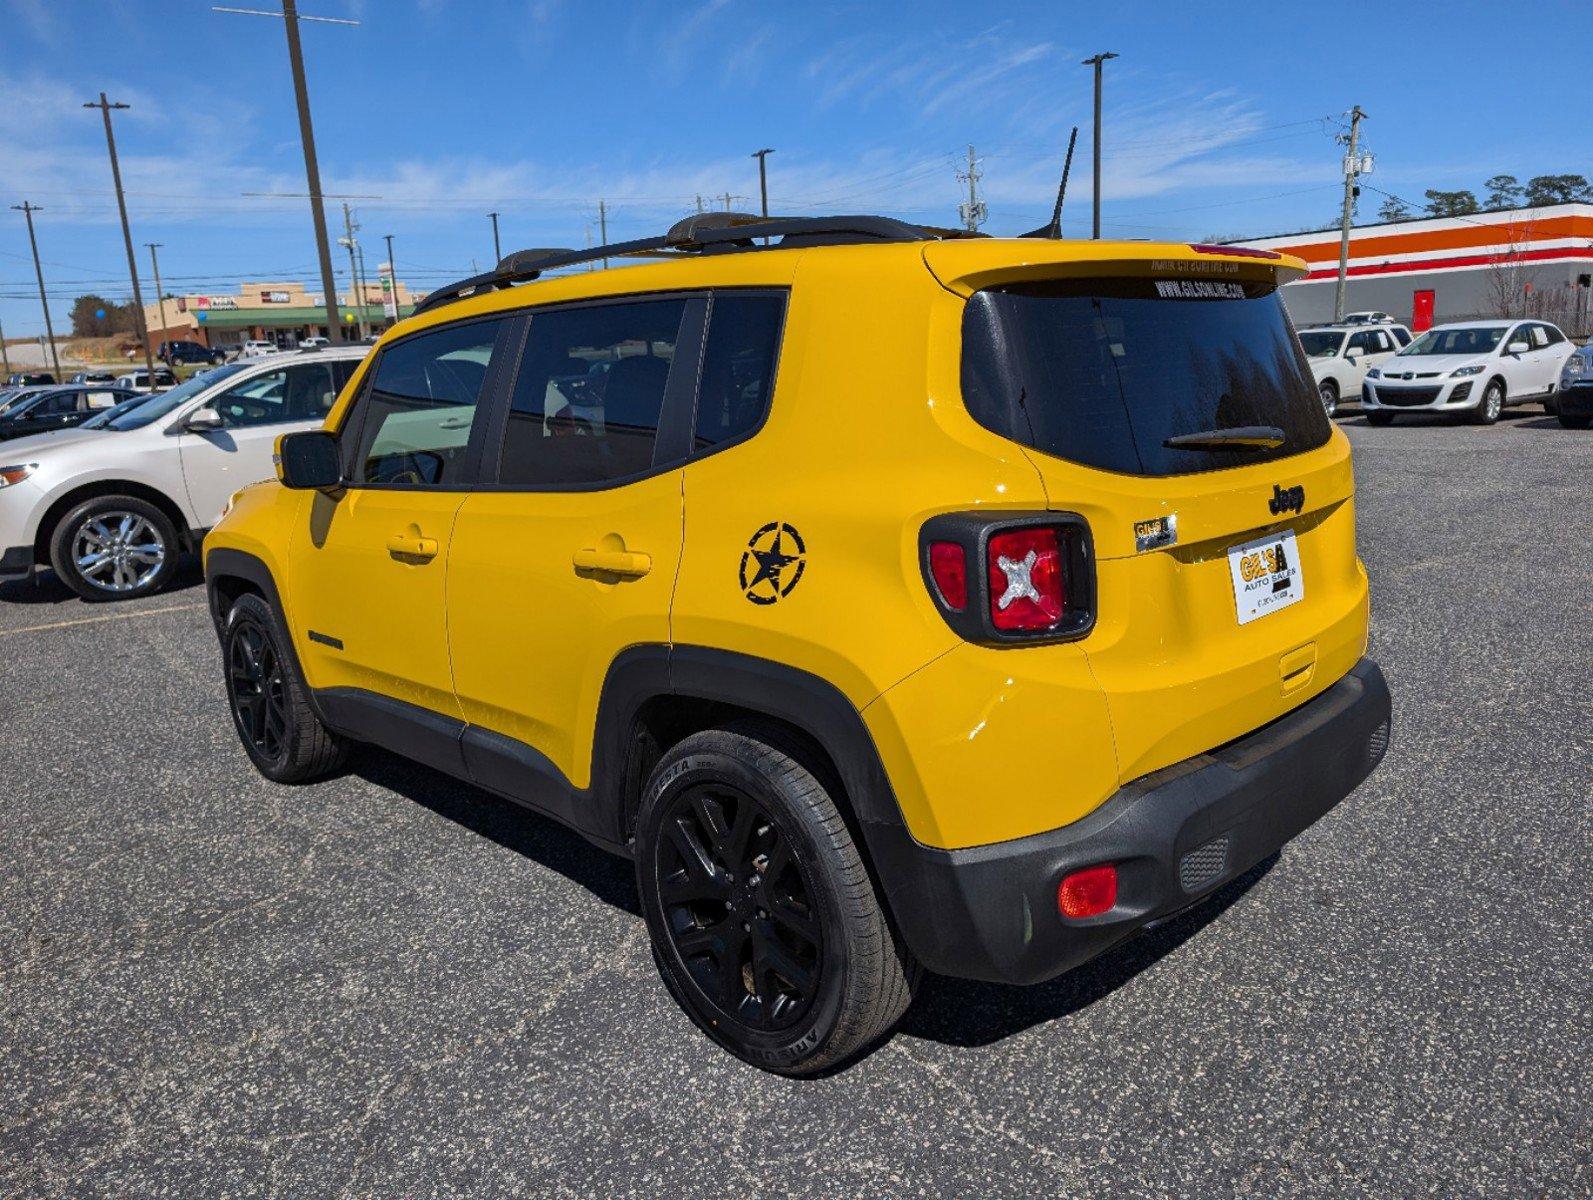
(949, 565)
(1087, 893)
(1027, 590)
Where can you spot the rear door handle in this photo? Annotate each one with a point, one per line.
(411, 546)
(628, 563)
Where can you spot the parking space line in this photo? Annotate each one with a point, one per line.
(147, 612)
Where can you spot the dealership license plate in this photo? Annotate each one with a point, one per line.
(1266, 575)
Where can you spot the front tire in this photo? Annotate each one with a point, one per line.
(115, 548)
(269, 700)
(1583, 421)
(765, 925)
(1491, 405)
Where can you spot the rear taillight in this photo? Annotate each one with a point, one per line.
(1021, 577)
(1026, 584)
(948, 565)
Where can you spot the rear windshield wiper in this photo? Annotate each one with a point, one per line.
(1254, 437)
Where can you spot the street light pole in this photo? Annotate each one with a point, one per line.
(142, 326)
(160, 295)
(1097, 62)
(497, 248)
(27, 210)
(763, 176)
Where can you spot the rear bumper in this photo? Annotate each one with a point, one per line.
(990, 912)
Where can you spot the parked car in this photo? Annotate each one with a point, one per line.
(1340, 356)
(314, 343)
(258, 349)
(1573, 401)
(1475, 368)
(111, 506)
(139, 381)
(93, 377)
(61, 407)
(172, 353)
(29, 378)
(860, 683)
(1368, 318)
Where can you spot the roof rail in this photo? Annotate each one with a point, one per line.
(700, 233)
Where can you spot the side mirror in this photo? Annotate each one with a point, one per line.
(1517, 348)
(309, 460)
(203, 420)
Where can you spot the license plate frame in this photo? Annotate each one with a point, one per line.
(1267, 575)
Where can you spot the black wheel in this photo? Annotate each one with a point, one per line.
(270, 706)
(1379, 418)
(765, 925)
(1329, 393)
(1491, 404)
(114, 548)
(1583, 421)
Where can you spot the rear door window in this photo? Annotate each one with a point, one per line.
(1103, 372)
(737, 366)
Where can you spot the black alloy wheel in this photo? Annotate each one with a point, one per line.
(257, 688)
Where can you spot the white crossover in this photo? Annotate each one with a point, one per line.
(112, 504)
(1474, 368)
(1341, 355)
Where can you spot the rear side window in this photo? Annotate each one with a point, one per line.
(738, 367)
(420, 407)
(1103, 372)
(589, 393)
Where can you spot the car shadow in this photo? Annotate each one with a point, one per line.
(45, 587)
(513, 826)
(964, 1012)
(958, 1012)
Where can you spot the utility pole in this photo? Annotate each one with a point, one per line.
(105, 107)
(972, 211)
(1354, 167)
(602, 225)
(27, 210)
(5, 357)
(365, 288)
(497, 250)
(726, 198)
(1097, 62)
(160, 296)
(763, 176)
(349, 226)
(312, 170)
(392, 276)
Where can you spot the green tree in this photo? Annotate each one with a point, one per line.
(1504, 191)
(87, 321)
(1393, 209)
(1558, 189)
(1450, 204)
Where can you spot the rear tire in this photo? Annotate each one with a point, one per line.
(114, 548)
(765, 925)
(269, 700)
(1491, 405)
(1379, 418)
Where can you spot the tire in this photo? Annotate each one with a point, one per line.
(115, 548)
(1583, 421)
(1491, 405)
(733, 830)
(1328, 392)
(269, 701)
(1379, 418)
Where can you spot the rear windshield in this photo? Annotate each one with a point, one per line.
(1103, 371)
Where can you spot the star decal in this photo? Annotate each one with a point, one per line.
(1020, 580)
(772, 563)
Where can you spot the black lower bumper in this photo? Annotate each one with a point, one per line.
(1175, 836)
(1574, 401)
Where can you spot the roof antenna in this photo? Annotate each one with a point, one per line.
(1054, 228)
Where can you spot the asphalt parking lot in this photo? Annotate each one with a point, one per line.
(392, 985)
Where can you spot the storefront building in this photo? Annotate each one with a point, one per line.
(1535, 262)
(285, 313)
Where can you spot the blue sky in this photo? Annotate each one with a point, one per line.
(1220, 120)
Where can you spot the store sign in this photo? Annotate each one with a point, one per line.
(274, 297)
(215, 302)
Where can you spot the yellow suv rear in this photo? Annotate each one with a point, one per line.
(895, 599)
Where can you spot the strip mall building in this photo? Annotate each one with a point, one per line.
(285, 313)
(1515, 262)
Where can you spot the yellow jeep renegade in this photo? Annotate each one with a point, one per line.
(897, 600)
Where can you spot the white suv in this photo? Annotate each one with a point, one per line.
(1341, 355)
(1474, 368)
(111, 507)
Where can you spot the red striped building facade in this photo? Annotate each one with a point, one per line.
(1517, 262)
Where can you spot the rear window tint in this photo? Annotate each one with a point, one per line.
(1103, 371)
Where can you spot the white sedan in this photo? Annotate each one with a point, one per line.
(1475, 368)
